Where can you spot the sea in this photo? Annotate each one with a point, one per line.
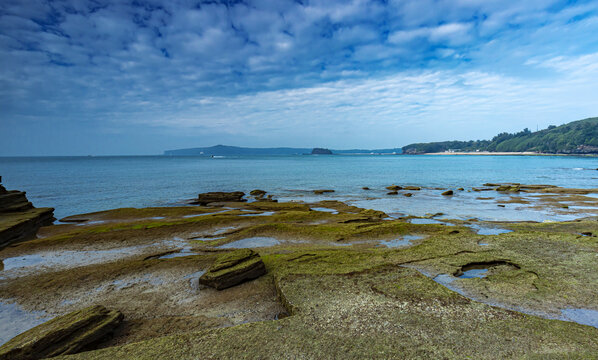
(76, 185)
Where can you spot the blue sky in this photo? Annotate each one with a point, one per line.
(101, 77)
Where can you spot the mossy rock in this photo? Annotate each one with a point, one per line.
(67, 334)
(412, 188)
(212, 197)
(392, 193)
(233, 268)
(394, 187)
(322, 191)
(508, 188)
(408, 194)
(448, 193)
(257, 192)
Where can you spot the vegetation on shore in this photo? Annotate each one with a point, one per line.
(577, 137)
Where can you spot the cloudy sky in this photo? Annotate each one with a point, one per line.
(117, 77)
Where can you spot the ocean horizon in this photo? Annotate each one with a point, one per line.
(82, 184)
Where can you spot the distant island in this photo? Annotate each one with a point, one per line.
(224, 150)
(577, 138)
(321, 151)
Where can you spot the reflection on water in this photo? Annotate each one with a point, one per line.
(252, 242)
(405, 240)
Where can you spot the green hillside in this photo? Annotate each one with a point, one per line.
(577, 137)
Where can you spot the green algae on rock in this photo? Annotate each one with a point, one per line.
(212, 197)
(322, 191)
(67, 334)
(233, 268)
(379, 313)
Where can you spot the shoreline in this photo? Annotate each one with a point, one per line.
(503, 153)
(148, 264)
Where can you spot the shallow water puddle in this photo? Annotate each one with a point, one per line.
(76, 258)
(401, 242)
(473, 273)
(328, 210)
(267, 213)
(485, 230)
(182, 253)
(68, 257)
(204, 214)
(14, 320)
(580, 316)
(95, 222)
(194, 280)
(420, 221)
(252, 242)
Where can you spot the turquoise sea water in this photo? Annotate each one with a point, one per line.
(76, 185)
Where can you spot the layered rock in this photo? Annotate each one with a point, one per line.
(212, 197)
(233, 268)
(257, 192)
(19, 220)
(67, 334)
(322, 191)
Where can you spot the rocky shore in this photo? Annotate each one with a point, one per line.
(233, 278)
(19, 220)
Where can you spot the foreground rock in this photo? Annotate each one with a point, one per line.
(67, 334)
(233, 268)
(19, 220)
(212, 197)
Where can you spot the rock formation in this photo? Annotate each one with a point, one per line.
(19, 220)
(233, 268)
(67, 334)
(257, 192)
(322, 191)
(212, 197)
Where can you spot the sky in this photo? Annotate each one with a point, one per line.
(139, 77)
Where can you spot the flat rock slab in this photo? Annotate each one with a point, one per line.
(233, 268)
(23, 225)
(211, 197)
(67, 334)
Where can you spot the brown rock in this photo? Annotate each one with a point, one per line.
(67, 334)
(408, 194)
(233, 268)
(322, 191)
(19, 220)
(392, 193)
(211, 197)
(448, 193)
(394, 187)
(412, 188)
(257, 192)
